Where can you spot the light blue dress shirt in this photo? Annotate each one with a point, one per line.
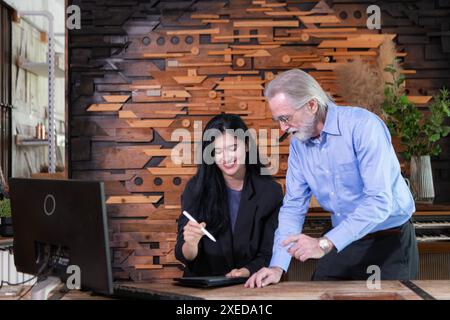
(353, 172)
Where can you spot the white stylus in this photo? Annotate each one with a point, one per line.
(209, 235)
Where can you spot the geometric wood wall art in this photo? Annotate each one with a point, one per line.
(139, 70)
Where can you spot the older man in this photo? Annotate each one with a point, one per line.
(344, 157)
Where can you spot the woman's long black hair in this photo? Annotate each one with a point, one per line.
(208, 185)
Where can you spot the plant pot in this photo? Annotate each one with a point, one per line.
(422, 179)
(6, 228)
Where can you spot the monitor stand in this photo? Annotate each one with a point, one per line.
(43, 287)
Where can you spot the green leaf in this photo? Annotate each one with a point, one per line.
(390, 68)
(5, 208)
(404, 100)
(435, 151)
(406, 155)
(434, 137)
(400, 80)
(445, 131)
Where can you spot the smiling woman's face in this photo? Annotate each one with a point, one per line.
(229, 154)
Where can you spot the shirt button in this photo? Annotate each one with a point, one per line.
(332, 193)
(327, 171)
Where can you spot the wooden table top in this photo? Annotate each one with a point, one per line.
(5, 242)
(55, 295)
(290, 290)
(439, 289)
(296, 290)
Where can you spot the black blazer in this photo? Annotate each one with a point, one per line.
(251, 244)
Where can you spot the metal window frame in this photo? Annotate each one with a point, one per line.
(6, 89)
(51, 86)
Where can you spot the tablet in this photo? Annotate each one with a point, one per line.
(209, 282)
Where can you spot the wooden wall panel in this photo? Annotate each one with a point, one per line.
(140, 70)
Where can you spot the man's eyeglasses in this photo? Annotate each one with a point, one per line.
(286, 118)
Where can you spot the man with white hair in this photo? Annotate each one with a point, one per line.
(344, 157)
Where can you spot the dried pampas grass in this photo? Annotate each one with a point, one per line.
(387, 56)
(361, 83)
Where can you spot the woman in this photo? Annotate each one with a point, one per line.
(233, 201)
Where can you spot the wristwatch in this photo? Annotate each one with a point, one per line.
(325, 244)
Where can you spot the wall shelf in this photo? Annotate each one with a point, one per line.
(29, 141)
(38, 68)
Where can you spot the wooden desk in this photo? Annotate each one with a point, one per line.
(6, 242)
(439, 289)
(294, 290)
(71, 295)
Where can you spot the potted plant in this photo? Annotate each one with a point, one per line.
(6, 229)
(418, 134)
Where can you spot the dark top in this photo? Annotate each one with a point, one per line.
(234, 198)
(252, 242)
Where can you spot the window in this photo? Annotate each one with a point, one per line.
(5, 89)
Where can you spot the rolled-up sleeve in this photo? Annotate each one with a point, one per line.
(293, 211)
(372, 143)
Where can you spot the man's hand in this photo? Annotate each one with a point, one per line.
(264, 277)
(304, 247)
(235, 273)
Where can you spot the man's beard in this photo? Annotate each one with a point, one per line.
(307, 129)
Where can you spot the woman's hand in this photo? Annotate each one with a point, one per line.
(192, 233)
(235, 273)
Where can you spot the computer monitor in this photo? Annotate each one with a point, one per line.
(62, 223)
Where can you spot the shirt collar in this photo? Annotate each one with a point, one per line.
(331, 125)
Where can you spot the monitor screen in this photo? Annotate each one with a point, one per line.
(62, 223)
